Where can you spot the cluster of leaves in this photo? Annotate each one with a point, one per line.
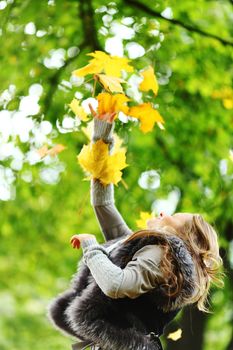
(95, 158)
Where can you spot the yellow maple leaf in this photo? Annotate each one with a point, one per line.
(149, 82)
(95, 160)
(102, 62)
(92, 158)
(175, 335)
(144, 216)
(112, 84)
(147, 115)
(44, 151)
(78, 110)
(112, 173)
(90, 68)
(108, 103)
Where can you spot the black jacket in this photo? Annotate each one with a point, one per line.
(122, 324)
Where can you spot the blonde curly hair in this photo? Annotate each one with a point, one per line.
(201, 240)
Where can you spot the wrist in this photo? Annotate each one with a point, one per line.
(88, 242)
(103, 130)
(101, 195)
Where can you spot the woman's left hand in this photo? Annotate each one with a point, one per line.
(107, 117)
(77, 239)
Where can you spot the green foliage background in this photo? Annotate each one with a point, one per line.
(36, 261)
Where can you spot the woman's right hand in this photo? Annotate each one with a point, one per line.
(108, 117)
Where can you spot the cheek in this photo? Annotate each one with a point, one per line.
(173, 223)
(151, 223)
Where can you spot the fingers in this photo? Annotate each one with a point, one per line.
(112, 117)
(102, 117)
(75, 242)
(77, 239)
(93, 112)
(108, 117)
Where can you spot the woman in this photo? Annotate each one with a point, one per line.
(129, 288)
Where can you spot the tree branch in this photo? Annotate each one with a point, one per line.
(89, 27)
(177, 22)
(54, 79)
(89, 40)
(7, 15)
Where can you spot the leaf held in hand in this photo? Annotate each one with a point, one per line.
(102, 62)
(147, 115)
(149, 82)
(175, 335)
(78, 110)
(95, 159)
(108, 103)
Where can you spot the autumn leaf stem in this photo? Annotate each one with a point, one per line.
(124, 184)
(190, 27)
(87, 81)
(94, 87)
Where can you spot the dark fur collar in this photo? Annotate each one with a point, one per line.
(123, 253)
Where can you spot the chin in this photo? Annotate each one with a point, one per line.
(153, 227)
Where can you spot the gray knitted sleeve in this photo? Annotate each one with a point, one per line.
(102, 197)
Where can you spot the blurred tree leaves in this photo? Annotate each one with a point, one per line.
(36, 261)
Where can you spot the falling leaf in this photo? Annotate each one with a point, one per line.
(44, 151)
(144, 216)
(95, 160)
(112, 84)
(102, 62)
(149, 82)
(78, 110)
(147, 115)
(112, 103)
(175, 335)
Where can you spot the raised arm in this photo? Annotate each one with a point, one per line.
(102, 197)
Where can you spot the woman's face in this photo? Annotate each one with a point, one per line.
(176, 221)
